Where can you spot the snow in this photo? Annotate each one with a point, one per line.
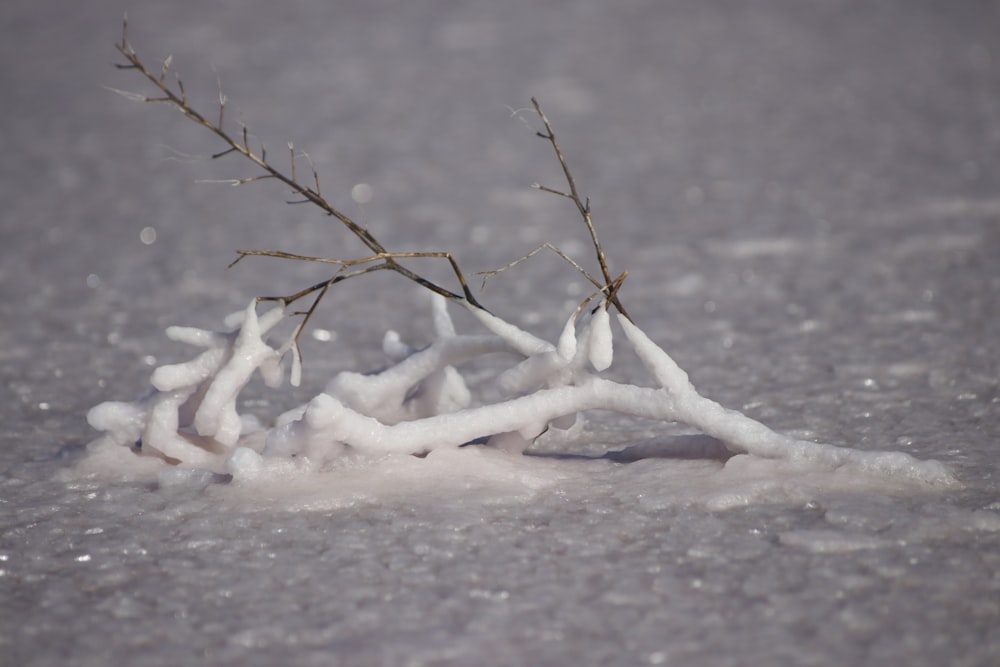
(835, 278)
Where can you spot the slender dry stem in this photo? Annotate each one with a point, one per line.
(241, 145)
(582, 205)
(545, 246)
(381, 258)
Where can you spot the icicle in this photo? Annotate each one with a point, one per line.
(295, 375)
(567, 339)
(443, 325)
(601, 344)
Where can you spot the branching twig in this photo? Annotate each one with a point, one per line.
(545, 246)
(381, 258)
(241, 145)
(583, 206)
(379, 262)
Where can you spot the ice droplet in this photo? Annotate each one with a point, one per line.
(361, 193)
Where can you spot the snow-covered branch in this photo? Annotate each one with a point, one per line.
(421, 403)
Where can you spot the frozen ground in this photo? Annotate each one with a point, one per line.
(806, 197)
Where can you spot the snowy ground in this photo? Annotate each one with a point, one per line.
(806, 196)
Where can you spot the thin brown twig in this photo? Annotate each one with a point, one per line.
(545, 246)
(381, 259)
(582, 205)
(384, 257)
(311, 194)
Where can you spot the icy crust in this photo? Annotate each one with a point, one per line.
(420, 404)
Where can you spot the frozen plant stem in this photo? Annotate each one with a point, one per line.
(421, 402)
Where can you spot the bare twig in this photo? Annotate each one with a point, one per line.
(545, 246)
(241, 145)
(381, 258)
(582, 205)
(377, 262)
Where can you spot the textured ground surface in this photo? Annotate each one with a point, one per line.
(806, 195)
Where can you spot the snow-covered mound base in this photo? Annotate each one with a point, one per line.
(416, 424)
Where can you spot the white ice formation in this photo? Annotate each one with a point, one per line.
(421, 403)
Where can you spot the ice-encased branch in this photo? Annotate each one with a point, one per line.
(743, 434)
(421, 402)
(190, 414)
(327, 420)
